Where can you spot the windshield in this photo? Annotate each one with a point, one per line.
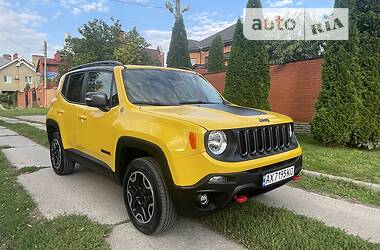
(168, 87)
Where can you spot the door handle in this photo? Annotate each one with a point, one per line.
(60, 112)
(82, 117)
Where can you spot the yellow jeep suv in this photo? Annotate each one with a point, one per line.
(169, 138)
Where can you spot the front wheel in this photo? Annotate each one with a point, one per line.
(146, 197)
(59, 161)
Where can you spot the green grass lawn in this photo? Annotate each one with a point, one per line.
(353, 163)
(21, 226)
(18, 112)
(256, 226)
(28, 131)
(338, 189)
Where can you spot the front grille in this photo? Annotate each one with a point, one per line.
(265, 140)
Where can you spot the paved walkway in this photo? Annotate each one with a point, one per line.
(85, 192)
(33, 118)
(31, 123)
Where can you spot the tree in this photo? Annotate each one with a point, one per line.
(100, 41)
(368, 20)
(97, 43)
(337, 118)
(281, 52)
(178, 55)
(248, 76)
(216, 56)
(132, 49)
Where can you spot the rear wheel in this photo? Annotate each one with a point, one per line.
(146, 197)
(59, 161)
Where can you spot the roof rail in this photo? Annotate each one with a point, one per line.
(185, 68)
(96, 64)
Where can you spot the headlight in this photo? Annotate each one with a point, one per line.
(217, 142)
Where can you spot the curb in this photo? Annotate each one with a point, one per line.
(371, 186)
(27, 120)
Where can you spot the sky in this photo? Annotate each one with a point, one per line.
(25, 24)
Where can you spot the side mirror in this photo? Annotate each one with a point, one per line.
(97, 100)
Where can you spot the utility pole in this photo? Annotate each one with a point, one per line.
(178, 11)
(45, 74)
(45, 64)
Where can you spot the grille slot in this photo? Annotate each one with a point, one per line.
(252, 142)
(275, 137)
(243, 143)
(262, 140)
(287, 135)
(267, 139)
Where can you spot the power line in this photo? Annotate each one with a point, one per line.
(156, 6)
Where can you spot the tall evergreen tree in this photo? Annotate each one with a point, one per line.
(337, 118)
(216, 56)
(248, 76)
(368, 23)
(178, 55)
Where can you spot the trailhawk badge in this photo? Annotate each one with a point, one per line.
(264, 120)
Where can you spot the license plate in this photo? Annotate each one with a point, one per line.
(278, 176)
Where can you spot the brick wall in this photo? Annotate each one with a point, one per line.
(43, 97)
(217, 79)
(295, 88)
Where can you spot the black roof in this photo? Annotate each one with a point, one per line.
(227, 36)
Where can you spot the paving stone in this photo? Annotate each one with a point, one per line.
(33, 118)
(355, 219)
(186, 234)
(16, 141)
(83, 192)
(21, 157)
(6, 132)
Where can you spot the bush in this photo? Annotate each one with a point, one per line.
(248, 76)
(178, 55)
(216, 56)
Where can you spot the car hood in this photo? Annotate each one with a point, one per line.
(219, 116)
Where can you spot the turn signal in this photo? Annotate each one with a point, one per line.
(193, 140)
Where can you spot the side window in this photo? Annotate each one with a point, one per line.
(74, 88)
(64, 86)
(102, 81)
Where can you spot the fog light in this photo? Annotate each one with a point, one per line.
(217, 180)
(203, 199)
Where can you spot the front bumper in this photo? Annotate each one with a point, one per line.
(246, 183)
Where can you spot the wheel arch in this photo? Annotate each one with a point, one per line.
(51, 127)
(137, 148)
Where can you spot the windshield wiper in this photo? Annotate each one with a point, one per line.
(197, 102)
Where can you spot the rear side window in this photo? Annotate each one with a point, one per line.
(102, 81)
(74, 88)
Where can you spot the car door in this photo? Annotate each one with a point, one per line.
(73, 93)
(96, 136)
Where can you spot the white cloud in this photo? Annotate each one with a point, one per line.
(158, 38)
(79, 6)
(18, 32)
(299, 3)
(206, 24)
(279, 3)
(57, 14)
(198, 27)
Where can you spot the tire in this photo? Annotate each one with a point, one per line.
(60, 163)
(143, 184)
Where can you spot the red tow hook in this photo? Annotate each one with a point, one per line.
(296, 178)
(240, 198)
